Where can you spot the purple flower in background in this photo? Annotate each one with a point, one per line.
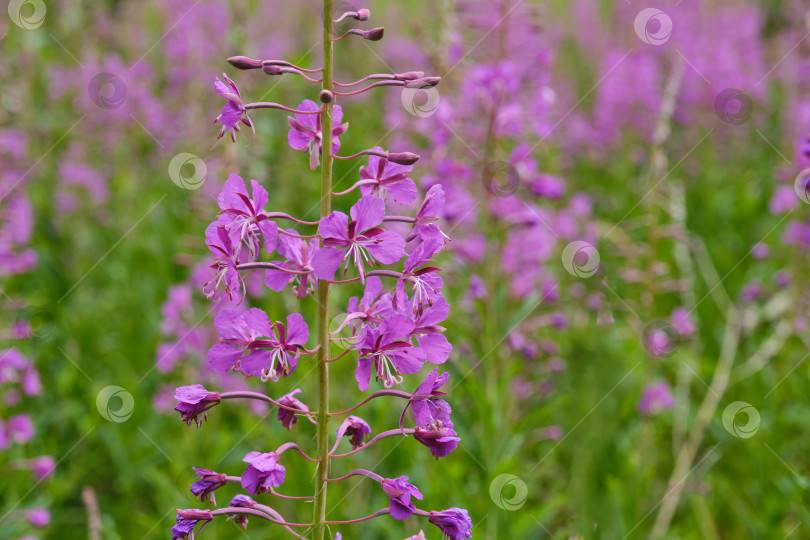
(244, 217)
(358, 241)
(441, 440)
(425, 226)
(783, 200)
(356, 428)
(547, 186)
(420, 536)
(682, 322)
(234, 110)
(298, 257)
(388, 351)
(306, 131)
(39, 517)
(186, 522)
(20, 428)
(209, 482)
(425, 282)
(760, 250)
(428, 409)
(193, 402)
(389, 179)
(656, 397)
(289, 418)
(42, 466)
(400, 492)
(241, 501)
(455, 523)
(263, 472)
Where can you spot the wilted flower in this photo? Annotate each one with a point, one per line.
(263, 472)
(356, 428)
(209, 482)
(441, 440)
(455, 523)
(287, 417)
(241, 501)
(193, 402)
(187, 520)
(400, 492)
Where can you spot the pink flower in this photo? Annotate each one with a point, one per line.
(306, 131)
(389, 179)
(656, 397)
(358, 241)
(254, 346)
(244, 218)
(234, 109)
(263, 472)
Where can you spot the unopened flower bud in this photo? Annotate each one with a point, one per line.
(272, 70)
(362, 14)
(375, 34)
(403, 158)
(243, 62)
(409, 75)
(424, 82)
(326, 96)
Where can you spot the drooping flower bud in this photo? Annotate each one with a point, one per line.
(403, 158)
(375, 34)
(409, 75)
(424, 82)
(271, 69)
(243, 62)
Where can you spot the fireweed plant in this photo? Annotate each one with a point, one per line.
(393, 332)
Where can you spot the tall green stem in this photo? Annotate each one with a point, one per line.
(319, 517)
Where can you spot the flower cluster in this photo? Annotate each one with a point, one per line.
(389, 332)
